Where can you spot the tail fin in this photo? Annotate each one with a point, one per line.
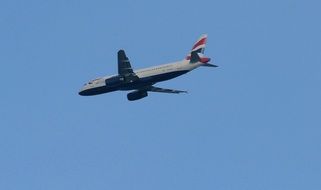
(197, 52)
(199, 46)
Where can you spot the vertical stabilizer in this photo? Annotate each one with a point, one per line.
(197, 52)
(198, 47)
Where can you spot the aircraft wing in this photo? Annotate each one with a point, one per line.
(164, 90)
(124, 67)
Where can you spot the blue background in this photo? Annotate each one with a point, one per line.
(252, 123)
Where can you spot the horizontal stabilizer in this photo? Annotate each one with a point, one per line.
(209, 65)
(199, 57)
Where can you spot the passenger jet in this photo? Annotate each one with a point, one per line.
(142, 81)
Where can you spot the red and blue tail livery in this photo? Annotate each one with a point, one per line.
(199, 46)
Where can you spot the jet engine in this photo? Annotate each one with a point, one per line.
(136, 95)
(114, 81)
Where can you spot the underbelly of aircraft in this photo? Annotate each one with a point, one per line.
(150, 80)
(138, 84)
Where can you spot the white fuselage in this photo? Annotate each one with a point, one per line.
(166, 68)
(150, 75)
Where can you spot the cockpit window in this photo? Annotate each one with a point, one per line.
(94, 81)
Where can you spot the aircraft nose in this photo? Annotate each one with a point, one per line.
(82, 91)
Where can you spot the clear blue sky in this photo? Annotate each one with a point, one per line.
(252, 123)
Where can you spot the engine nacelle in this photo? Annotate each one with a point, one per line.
(136, 95)
(114, 81)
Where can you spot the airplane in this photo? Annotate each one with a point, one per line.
(142, 81)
